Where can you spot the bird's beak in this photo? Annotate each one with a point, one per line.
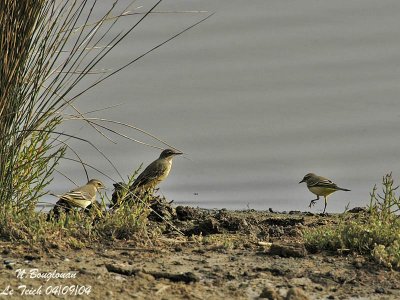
(301, 181)
(178, 153)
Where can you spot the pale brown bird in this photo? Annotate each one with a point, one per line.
(84, 195)
(320, 186)
(156, 172)
(81, 197)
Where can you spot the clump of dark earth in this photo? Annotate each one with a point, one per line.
(198, 221)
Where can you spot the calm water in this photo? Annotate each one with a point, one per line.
(257, 96)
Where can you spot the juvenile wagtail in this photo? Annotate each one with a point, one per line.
(84, 195)
(80, 197)
(320, 186)
(156, 172)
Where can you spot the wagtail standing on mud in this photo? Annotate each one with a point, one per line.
(80, 197)
(156, 172)
(320, 186)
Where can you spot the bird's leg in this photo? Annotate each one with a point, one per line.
(313, 202)
(326, 202)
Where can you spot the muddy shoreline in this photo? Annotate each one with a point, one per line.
(190, 253)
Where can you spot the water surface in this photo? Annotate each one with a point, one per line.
(260, 94)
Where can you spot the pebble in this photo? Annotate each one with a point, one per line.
(145, 276)
(270, 293)
(6, 251)
(359, 262)
(32, 257)
(288, 250)
(9, 264)
(109, 293)
(380, 290)
(296, 294)
(329, 260)
(119, 278)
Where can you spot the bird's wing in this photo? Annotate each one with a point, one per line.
(76, 195)
(323, 182)
(151, 173)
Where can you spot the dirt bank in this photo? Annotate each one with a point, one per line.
(199, 254)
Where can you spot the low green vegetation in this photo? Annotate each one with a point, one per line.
(128, 215)
(80, 228)
(48, 49)
(375, 232)
(45, 54)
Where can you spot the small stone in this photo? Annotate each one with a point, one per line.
(145, 276)
(32, 257)
(288, 250)
(9, 262)
(359, 262)
(199, 251)
(276, 231)
(6, 251)
(217, 268)
(296, 294)
(243, 285)
(230, 276)
(270, 293)
(301, 281)
(356, 210)
(119, 278)
(329, 260)
(109, 293)
(380, 290)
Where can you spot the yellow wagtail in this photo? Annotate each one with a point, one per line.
(320, 186)
(156, 172)
(84, 195)
(80, 197)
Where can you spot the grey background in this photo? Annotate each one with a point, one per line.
(260, 94)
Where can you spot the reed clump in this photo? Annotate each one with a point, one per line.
(47, 48)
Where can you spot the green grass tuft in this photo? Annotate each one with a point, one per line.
(375, 232)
